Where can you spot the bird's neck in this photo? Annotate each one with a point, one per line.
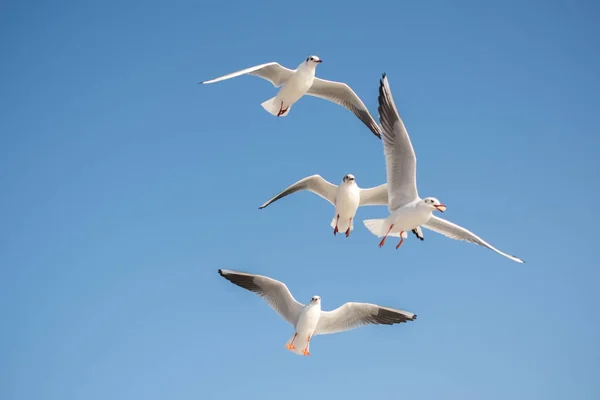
(307, 69)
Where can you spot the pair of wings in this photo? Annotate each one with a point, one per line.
(349, 316)
(337, 92)
(401, 169)
(321, 187)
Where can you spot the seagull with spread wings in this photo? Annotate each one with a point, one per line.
(309, 320)
(407, 209)
(296, 83)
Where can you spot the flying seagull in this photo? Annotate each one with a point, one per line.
(407, 209)
(309, 320)
(296, 83)
(346, 198)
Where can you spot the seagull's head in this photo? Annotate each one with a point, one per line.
(313, 61)
(432, 202)
(348, 178)
(315, 300)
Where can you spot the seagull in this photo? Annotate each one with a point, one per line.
(407, 209)
(346, 199)
(309, 320)
(296, 83)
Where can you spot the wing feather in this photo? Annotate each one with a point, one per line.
(457, 232)
(343, 95)
(374, 196)
(400, 158)
(313, 183)
(353, 315)
(274, 292)
(271, 71)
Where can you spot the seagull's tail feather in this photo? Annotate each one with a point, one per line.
(298, 345)
(377, 226)
(272, 106)
(342, 224)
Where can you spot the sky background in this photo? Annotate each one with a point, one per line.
(125, 186)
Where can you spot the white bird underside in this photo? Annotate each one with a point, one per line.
(351, 315)
(336, 92)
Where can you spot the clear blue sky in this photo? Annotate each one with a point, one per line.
(126, 185)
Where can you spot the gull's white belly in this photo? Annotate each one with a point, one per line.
(408, 218)
(308, 320)
(347, 201)
(294, 88)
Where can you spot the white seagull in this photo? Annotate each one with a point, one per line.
(407, 209)
(296, 83)
(346, 199)
(309, 320)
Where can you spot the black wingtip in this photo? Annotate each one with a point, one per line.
(414, 317)
(221, 272)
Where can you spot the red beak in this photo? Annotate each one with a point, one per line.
(319, 61)
(440, 207)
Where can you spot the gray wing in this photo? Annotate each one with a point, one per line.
(375, 196)
(340, 93)
(353, 315)
(457, 232)
(271, 71)
(276, 293)
(400, 158)
(313, 183)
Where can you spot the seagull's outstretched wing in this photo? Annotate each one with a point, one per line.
(313, 183)
(400, 158)
(375, 196)
(353, 315)
(271, 71)
(340, 93)
(276, 293)
(457, 232)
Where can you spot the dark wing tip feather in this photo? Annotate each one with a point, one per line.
(386, 108)
(389, 317)
(243, 281)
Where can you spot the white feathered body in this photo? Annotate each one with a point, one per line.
(305, 327)
(346, 203)
(292, 90)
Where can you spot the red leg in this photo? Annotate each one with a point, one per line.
(282, 110)
(401, 241)
(305, 351)
(348, 230)
(388, 232)
(335, 230)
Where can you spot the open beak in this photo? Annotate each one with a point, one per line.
(319, 61)
(440, 207)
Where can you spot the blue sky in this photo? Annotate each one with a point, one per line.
(126, 185)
